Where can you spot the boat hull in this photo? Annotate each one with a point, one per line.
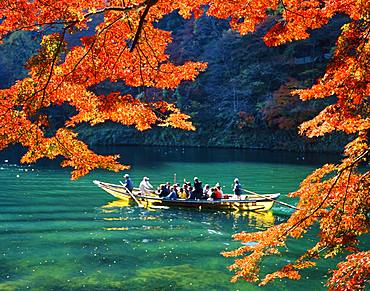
(246, 203)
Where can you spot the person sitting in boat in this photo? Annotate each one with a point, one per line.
(163, 191)
(215, 194)
(198, 189)
(176, 188)
(182, 194)
(168, 186)
(237, 188)
(186, 187)
(191, 195)
(145, 187)
(212, 195)
(218, 193)
(128, 183)
(172, 195)
(206, 191)
(219, 188)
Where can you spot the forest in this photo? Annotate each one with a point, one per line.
(242, 100)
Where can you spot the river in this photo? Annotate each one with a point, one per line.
(56, 234)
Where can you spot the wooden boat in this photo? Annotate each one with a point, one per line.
(245, 202)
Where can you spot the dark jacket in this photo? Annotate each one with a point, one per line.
(164, 192)
(192, 195)
(198, 189)
(238, 189)
(129, 185)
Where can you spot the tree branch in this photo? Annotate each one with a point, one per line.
(149, 4)
(360, 157)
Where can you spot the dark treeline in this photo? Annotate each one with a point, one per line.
(242, 100)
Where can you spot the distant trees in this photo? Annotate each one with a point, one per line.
(241, 79)
(285, 110)
(15, 51)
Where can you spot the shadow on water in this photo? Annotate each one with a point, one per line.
(138, 154)
(156, 155)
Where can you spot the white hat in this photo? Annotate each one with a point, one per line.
(195, 178)
(146, 179)
(126, 175)
(236, 180)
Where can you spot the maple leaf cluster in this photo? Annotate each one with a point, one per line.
(334, 197)
(128, 46)
(285, 110)
(352, 273)
(62, 75)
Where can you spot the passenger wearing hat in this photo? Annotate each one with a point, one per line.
(145, 187)
(219, 188)
(128, 183)
(237, 187)
(206, 191)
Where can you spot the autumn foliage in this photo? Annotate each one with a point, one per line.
(62, 75)
(285, 110)
(127, 46)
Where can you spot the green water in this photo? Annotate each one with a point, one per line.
(61, 235)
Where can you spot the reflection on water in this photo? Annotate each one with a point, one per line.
(251, 219)
(258, 220)
(115, 228)
(116, 204)
(115, 218)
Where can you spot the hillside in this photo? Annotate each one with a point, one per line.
(242, 100)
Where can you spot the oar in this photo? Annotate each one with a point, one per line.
(132, 195)
(268, 198)
(141, 205)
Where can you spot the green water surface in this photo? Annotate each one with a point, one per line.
(61, 235)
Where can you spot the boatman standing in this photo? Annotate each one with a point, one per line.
(198, 189)
(237, 188)
(128, 183)
(145, 187)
